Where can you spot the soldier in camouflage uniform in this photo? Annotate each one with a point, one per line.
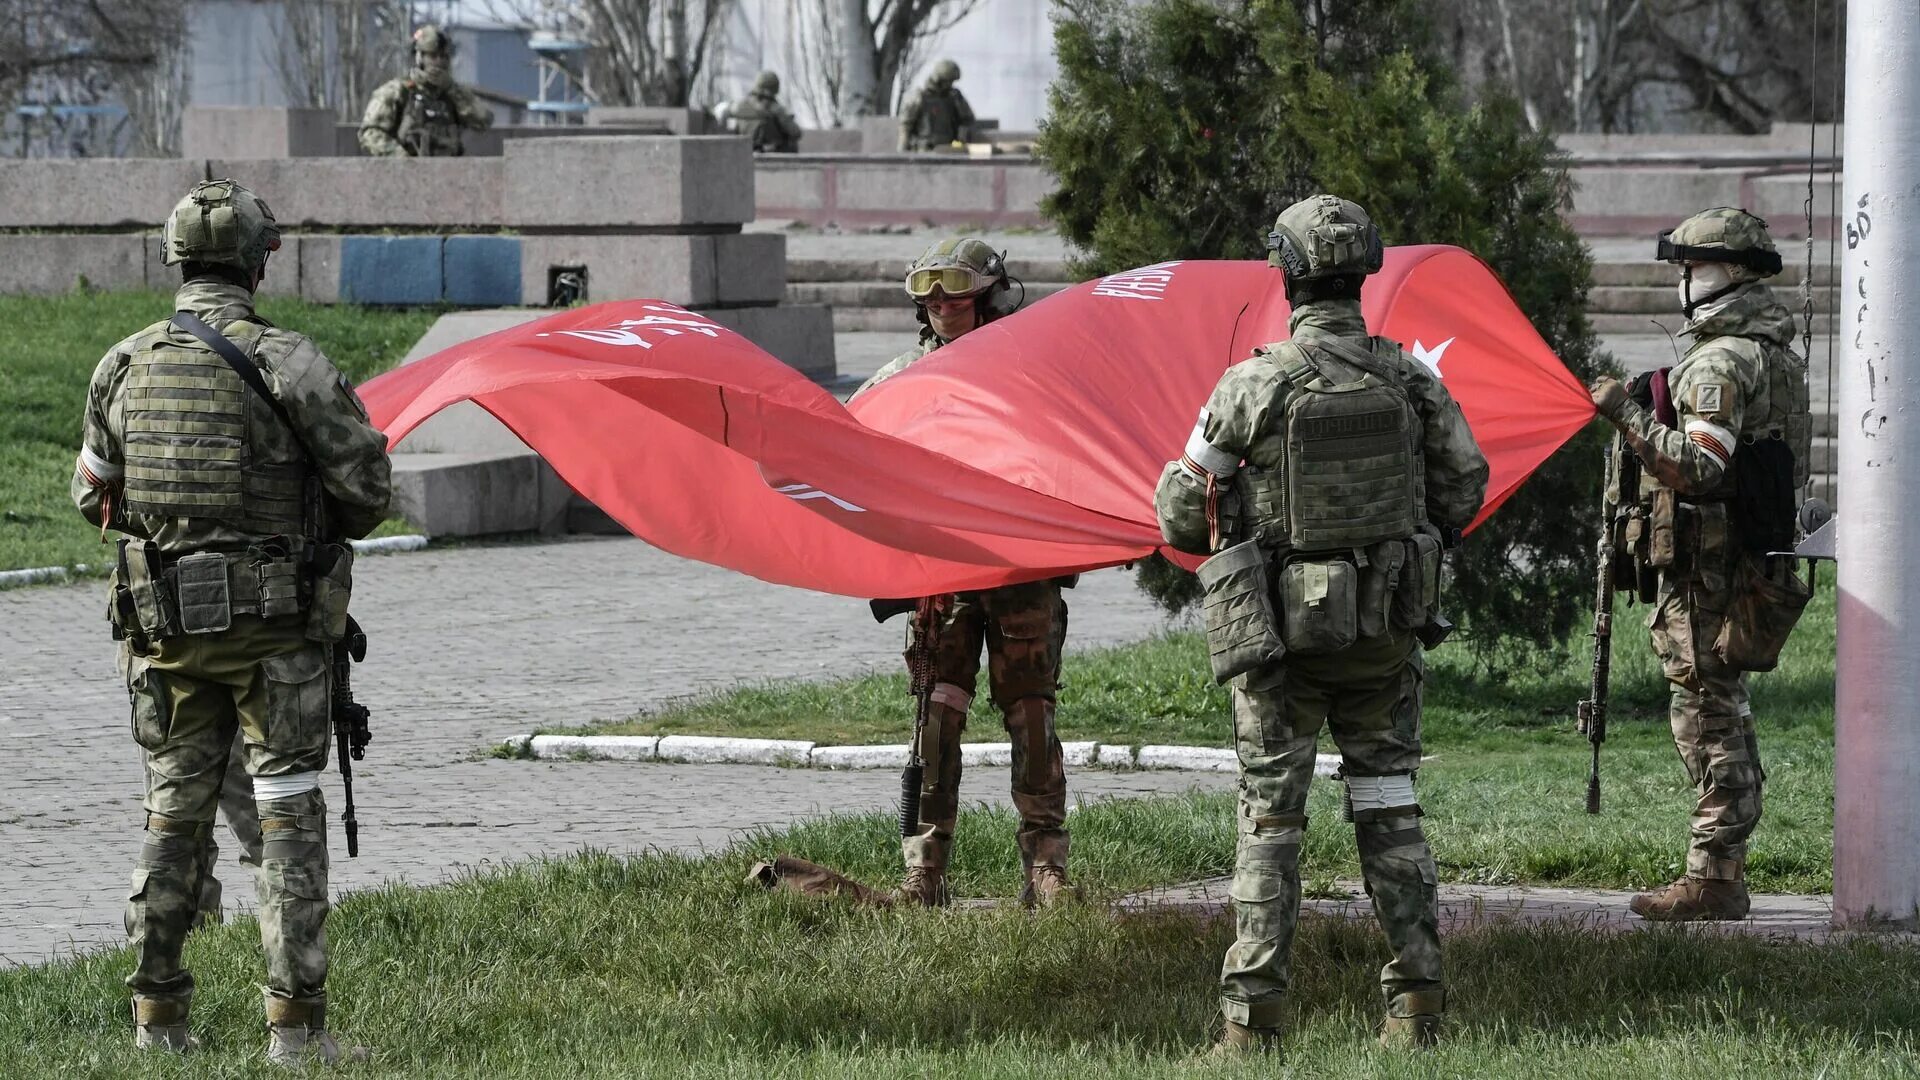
(230, 589)
(1740, 391)
(761, 117)
(1350, 510)
(957, 286)
(422, 114)
(937, 115)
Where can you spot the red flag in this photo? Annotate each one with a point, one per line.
(1026, 449)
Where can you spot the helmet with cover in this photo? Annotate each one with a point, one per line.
(1730, 247)
(1324, 237)
(944, 74)
(220, 223)
(767, 84)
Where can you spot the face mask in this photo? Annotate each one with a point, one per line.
(433, 69)
(1708, 279)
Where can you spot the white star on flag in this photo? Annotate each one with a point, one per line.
(1431, 357)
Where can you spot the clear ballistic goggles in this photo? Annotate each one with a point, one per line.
(1755, 259)
(954, 281)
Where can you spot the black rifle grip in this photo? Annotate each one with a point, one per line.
(910, 779)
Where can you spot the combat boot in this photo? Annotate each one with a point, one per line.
(1047, 886)
(297, 1035)
(1413, 1020)
(161, 1024)
(1239, 1041)
(1693, 899)
(926, 886)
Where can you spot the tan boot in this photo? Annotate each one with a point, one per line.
(297, 1035)
(1047, 886)
(926, 886)
(1413, 1020)
(1693, 899)
(161, 1024)
(1239, 1041)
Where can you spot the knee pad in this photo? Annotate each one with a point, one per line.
(294, 826)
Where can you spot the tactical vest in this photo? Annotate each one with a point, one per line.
(428, 124)
(1788, 414)
(186, 440)
(748, 117)
(1351, 471)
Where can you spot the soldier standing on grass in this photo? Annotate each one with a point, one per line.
(1724, 472)
(957, 286)
(937, 115)
(421, 114)
(1346, 466)
(232, 462)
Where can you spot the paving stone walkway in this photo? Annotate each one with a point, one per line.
(470, 645)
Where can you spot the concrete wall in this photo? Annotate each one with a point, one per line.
(900, 189)
(243, 131)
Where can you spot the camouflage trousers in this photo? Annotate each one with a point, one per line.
(1369, 698)
(190, 695)
(243, 822)
(1712, 720)
(1024, 628)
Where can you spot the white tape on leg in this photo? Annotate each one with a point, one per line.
(1381, 792)
(268, 788)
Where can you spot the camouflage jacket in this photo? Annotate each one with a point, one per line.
(1244, 413)
(931, 119)
(763, 119)
(1741, 380)
(929, 341)
(350, 455)
(409, 117)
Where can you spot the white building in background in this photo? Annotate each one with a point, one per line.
(1004, 49)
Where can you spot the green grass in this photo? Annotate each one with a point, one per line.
(48, 352)
(667, 966)
(1505, 788)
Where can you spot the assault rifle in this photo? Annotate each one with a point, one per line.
(350, 729)
(1619, 493)
(920, 678)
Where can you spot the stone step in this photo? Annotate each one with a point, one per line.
(1613, 322)
(898, 319)
(1662, 299)
(1667, 277)
(877, 294)
(893, 270)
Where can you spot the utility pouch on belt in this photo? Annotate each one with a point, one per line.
(206, 607)
(1419, 594)
(332, 588)
(1242, 630)
(146, 586)
(1382, 576)
(1768, 597)
(1661, 526)
(1319, 605)
(277, 577)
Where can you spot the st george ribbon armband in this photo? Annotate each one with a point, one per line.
(1717, 441)
(97, 471)
(1202, 458)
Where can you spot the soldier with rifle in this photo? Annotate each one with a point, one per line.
(957, 286)
(1719, 458)
(236, 460)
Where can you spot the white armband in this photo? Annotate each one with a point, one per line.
(1202, 457)
(268, 788)
(98, 471)
(1717, 441)
(1381, 792)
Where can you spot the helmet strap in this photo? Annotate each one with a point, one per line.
(1689, 304)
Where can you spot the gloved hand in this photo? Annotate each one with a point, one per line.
(1609, 394)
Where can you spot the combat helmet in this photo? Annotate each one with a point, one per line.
(944, 74)
(767, 84)
(1324, 236)
(960, 267)
(1724, 234)
(430, 40)
(221, 223)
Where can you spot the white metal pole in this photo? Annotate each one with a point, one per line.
(1876, 843)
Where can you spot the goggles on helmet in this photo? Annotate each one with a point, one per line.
(1759, 260)
(954, 281)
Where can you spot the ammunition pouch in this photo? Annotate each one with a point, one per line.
(332, 589)
(1243, 631)
(1320, 605)
(156, 598)
(1767, 600)
(1764, 509)
(1416, 601)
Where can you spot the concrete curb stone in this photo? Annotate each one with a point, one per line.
(720, 750)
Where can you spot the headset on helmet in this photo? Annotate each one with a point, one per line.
(1324, 236)
(221, 223)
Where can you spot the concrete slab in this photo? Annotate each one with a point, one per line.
(83, 193)
(399, 270)
(374, 193)
(799, 335)
(249, 132)
(680, 269)
(913, 185)
(750, 268)
(481, 271)
(677, 121)
(320, 268)
(45, 265)
(479, 494)
(628, 181)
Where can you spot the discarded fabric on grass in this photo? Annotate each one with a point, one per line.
(1027, 449)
